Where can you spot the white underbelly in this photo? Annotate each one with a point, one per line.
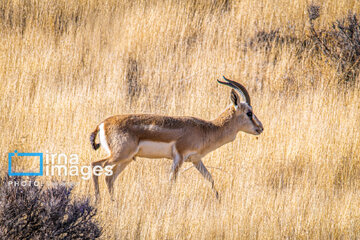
(151, 149)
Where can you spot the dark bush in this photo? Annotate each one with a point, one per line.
(340, 44)
(35, 212)
(270, 39)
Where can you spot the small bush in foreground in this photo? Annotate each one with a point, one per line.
(34, 212)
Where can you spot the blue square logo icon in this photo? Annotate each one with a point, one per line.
(15, 153)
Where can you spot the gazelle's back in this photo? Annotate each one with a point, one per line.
(154, 127)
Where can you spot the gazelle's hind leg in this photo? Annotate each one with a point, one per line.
(178, 160)
(122, 147)
(111, 179)
(122, 155)
(96, 178)
(202, 169)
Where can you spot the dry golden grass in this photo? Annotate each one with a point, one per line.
(65, 66)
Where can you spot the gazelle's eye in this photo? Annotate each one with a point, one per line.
(249, 114)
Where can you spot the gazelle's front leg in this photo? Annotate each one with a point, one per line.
(202, 169)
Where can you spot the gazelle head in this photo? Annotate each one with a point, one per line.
(245, 118)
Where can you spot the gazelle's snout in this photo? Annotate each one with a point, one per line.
(259, 129)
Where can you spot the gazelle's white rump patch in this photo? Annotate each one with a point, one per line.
(152, 149)
(103, 141)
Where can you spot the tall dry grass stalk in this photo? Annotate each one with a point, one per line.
(66, 65)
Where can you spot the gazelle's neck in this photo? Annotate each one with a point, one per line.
(224, 130)
(225, 118)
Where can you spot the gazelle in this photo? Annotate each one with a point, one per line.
(182, 139)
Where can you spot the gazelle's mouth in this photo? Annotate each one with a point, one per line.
(258, 131)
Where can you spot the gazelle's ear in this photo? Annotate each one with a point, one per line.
(234, 97)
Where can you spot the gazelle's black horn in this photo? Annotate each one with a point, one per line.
(237, 86)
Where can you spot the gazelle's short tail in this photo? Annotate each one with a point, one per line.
(93, 137)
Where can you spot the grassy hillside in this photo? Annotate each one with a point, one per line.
(67, 65)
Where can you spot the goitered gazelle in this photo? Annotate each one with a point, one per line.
(182, 139)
